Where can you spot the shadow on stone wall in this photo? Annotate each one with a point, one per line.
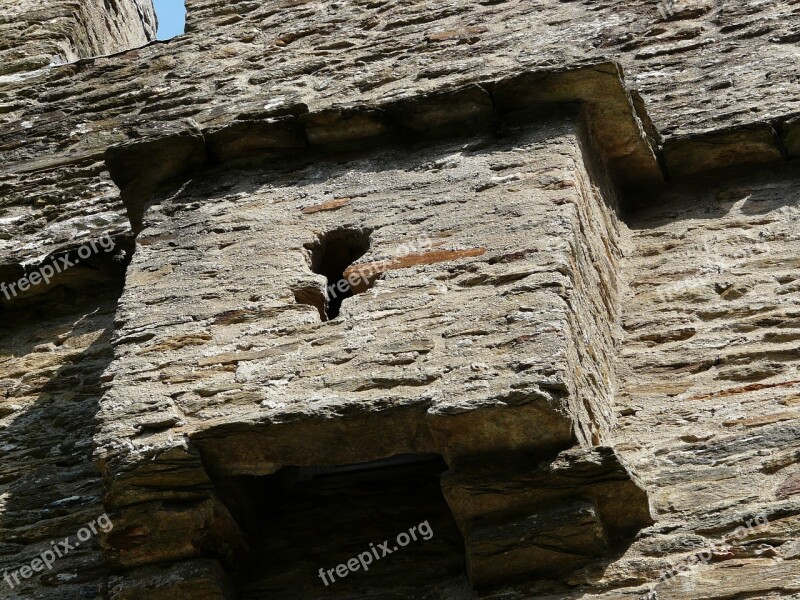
(50, 386)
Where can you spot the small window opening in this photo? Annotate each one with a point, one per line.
(330, 256)
(305, 519)
(171, 18)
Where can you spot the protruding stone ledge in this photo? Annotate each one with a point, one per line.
(156, 159)
(545, 519)
(246, 142)
(547, 544)
(746, 145)
(157, 532)
(139, 166)
(503, 370)
(342, 125)
(358, 433)
(261, 448)
(513, 484)
(448, 112)
(619, 132)
(617, 120)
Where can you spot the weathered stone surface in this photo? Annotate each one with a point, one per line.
(189, 580)
(50, 369)
(540, 317)
(762, 578)
(548, 543)
(37, 34)
(232, 398)
(711, 376)
(479, 491)
(162, 90)
(722, 150)
(544, 520)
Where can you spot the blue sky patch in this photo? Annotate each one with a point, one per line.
(171, 18)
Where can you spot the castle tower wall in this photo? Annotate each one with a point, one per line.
(607, 321)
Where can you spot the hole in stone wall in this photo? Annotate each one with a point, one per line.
(303, 519)
(331, 254)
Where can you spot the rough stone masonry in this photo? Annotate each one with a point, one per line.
(525, 271)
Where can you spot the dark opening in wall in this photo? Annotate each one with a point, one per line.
(303, 520)
(330, 255)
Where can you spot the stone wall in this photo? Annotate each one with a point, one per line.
(37, 34)
(711, 387)
(51, 364)
(602, 321)
(257, 377)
